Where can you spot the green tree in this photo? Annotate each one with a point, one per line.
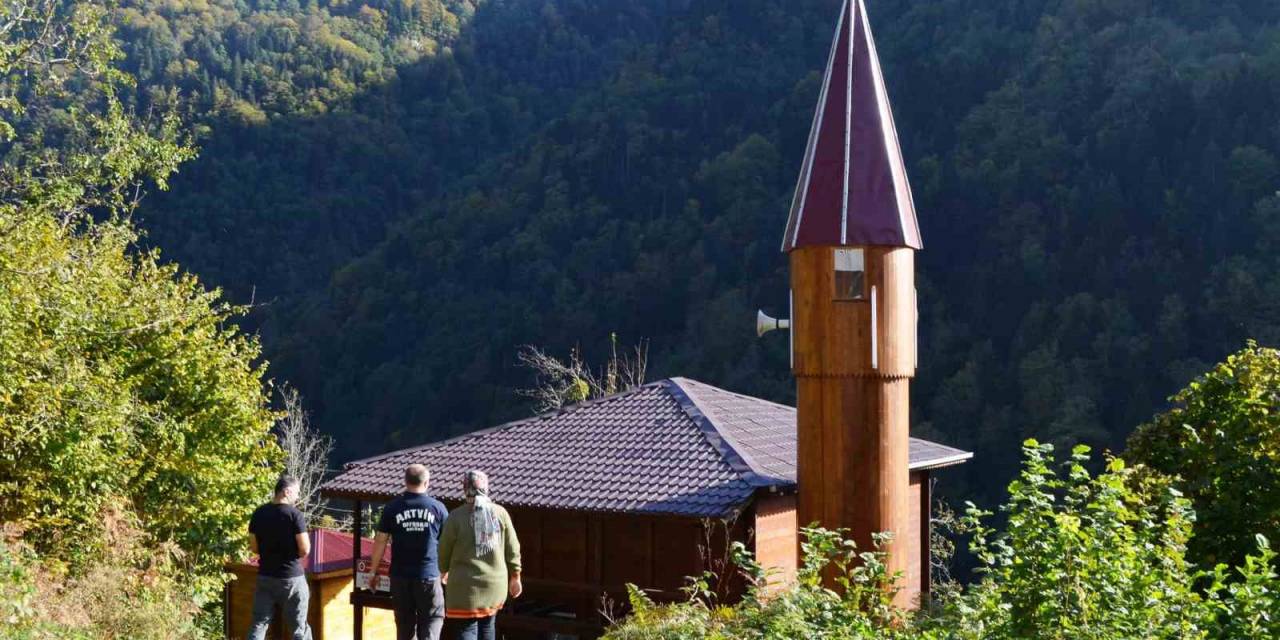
(120, 376)
(1221, 440)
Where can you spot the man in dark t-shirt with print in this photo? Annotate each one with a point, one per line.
(413, 521)
(278, 534)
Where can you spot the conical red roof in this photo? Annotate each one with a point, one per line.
(853, 187)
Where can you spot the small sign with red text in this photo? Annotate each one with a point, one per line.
(364, 577)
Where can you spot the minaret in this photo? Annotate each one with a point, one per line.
(852, 237)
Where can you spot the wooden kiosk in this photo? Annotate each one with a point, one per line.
(329, 574)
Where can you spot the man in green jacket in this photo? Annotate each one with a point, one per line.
(480, 559)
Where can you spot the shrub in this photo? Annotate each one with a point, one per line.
(1248, 606)
(859, 607)
(1221, 440)
(128, 590)
(1082, 557)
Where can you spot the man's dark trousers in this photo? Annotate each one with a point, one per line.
(419, 608)
(472, 628)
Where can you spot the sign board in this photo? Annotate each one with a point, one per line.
(364, 577)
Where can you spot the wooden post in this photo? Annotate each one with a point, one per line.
(226, 610)
(357, 617)
(853, 360)
(926, 535)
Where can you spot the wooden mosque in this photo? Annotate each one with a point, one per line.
(653, 484)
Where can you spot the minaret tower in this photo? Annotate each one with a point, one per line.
(851, 238)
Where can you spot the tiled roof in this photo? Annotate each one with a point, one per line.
(675, 446)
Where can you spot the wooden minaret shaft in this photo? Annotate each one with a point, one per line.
(853, 361)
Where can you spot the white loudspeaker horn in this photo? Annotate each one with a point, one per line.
(765, 324)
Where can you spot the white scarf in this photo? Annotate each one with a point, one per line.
(485, 523)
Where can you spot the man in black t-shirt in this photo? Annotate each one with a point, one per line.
(413, 521)
(278, 534)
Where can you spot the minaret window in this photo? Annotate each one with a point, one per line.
(851, 281)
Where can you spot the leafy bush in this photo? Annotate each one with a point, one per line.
(1099, 557)
(1222, 440)
(16, 592)
(860, 605)
(1247, 606)
(1081, 557)
(129, 590)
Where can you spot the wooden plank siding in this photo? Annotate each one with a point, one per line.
(776, 539)
(330, 613)
(853, 360)
(776, 542)
(580, 562)
(608, 550)
(339, 616)
(915, 535)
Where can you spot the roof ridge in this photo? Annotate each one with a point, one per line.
(546, 415)
(735, 393)
(729, 450)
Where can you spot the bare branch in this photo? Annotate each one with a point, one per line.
(306, 454)
(558, 383)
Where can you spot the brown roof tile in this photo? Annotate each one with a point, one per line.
(675, 446)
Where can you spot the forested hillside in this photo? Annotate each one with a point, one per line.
(409, 190)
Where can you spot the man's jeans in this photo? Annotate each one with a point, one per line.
(419, 608)
(292, 594)
(472, 628)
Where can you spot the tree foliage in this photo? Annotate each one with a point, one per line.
(1082, 556)
(1222, 441)
(121, 377)
(1095, 182)
(558, 383)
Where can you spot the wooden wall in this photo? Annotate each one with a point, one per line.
(329, 615)
(777, 540)
(776, 537)
(333, 598)
(917, 578)
(574, 558)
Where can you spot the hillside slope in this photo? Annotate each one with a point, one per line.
(1096, 184)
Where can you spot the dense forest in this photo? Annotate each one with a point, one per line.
(203, 203)
(408, 190)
